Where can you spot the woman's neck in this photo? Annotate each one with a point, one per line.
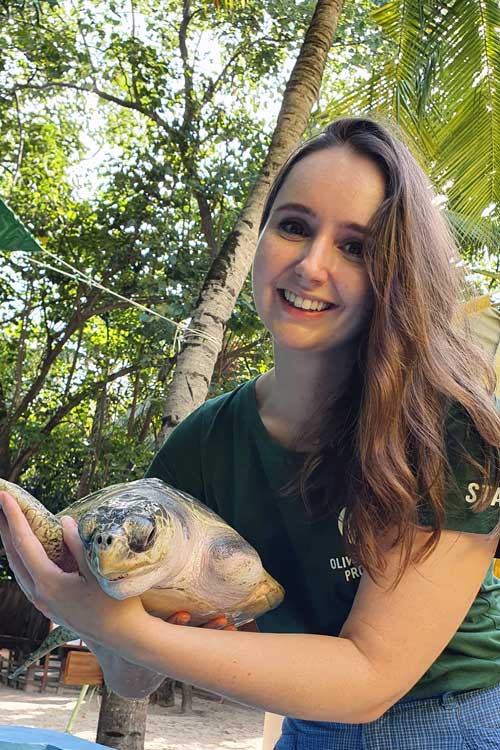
(291, 395)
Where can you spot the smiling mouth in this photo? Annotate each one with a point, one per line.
(300, 303)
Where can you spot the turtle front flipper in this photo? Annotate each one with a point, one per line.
(56, 638)
(43, 523)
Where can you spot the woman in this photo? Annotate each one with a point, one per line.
(364, 448)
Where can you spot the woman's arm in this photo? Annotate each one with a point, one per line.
(389, 640)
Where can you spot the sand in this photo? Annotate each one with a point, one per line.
(212, 725)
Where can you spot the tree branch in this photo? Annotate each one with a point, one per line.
(24, 455)
(87, 49)
(73, 364)
(132, 34)
(53, 352)
(127, 103)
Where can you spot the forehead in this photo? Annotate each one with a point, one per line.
(335, 180)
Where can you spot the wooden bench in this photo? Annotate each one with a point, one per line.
(81, 668)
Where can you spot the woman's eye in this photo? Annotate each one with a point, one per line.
(290, 226)
(353, 248)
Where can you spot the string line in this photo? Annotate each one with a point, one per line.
(77, 275)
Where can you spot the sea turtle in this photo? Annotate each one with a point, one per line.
(147, 539)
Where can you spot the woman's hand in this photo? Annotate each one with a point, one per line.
(217, 623)
(74, 599)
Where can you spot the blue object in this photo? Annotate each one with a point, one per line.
(29, 738)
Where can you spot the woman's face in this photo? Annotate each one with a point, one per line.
(310, 284)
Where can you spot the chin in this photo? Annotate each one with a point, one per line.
(298, 344)
(129, 585)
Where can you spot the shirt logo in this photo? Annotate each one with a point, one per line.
(345, 564)
(474, 492)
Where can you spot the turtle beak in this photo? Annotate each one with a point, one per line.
(114, 547)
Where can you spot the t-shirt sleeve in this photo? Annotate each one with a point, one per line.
(464, 482)
(179, 460)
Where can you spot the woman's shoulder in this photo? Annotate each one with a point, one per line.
(467, 454)
(461, 432)
(201, 439)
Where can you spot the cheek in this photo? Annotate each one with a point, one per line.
(368, 297)
(260, 271)
(255, 279)
(359, 291)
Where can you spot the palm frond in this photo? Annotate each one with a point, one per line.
(442, 88)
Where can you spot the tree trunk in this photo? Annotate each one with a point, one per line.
(225, 279)
(223, 283)
(122, 722)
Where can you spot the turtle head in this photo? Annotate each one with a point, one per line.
(128, 545)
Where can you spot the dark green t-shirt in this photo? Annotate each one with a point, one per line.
(223, 455)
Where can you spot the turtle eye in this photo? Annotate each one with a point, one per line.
(86, 528)
(141, 533)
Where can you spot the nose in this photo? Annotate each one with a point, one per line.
(317, 261)
(106, 539)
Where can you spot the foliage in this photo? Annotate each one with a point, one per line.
(439, 80)
(177, 101)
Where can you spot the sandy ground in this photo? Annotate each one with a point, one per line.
(212, 725)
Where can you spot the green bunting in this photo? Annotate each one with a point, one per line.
(13, 234)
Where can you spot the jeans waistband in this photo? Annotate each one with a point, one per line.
(450, 696)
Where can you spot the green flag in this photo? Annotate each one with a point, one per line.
(13, 235)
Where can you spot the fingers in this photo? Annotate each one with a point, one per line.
(219, 623)
(179, 618)
(23, 578)
(74, 544)
(20, 537)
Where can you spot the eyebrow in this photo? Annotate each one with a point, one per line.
(306, 210)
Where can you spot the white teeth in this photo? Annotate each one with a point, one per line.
(303, 304)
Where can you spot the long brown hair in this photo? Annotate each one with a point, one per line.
(416, 360)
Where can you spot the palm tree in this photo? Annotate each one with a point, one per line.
(442, 86)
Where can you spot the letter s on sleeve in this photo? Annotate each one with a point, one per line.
(472, 497)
